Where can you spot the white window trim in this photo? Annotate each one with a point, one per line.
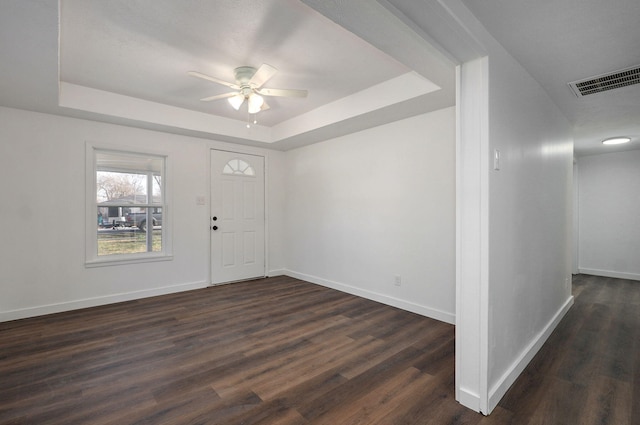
(91, 240)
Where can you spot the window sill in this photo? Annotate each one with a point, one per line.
(130, 260)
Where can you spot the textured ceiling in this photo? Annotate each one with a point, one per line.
(144, 49)
(126, 62)
(562, 41)
(364, 62)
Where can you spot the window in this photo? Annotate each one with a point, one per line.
(238, 167)
(128, 204)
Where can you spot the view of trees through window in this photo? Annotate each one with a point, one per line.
(129, 198)
(113, 186)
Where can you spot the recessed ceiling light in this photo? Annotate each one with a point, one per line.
(616, 140)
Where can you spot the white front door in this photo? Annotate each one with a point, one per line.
(237, 217)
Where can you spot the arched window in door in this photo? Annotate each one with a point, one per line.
(238, 167)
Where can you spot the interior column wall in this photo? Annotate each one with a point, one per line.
(472, 233)
(515, 221)
(530, 222)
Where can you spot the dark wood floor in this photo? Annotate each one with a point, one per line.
(281, 351)
(588, 372)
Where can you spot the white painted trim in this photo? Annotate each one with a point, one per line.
(517, 367)
(370, 99)
(469, 399)
(277, 272)
(472, 233)
(484, 307)
(123, 259)
(375, 296)
(610, 273)
(98, 301)
(576, 217)
(266, 216)
(458, 262)
(116, 105)
(91, 258)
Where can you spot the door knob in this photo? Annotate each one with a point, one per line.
(214, 218)
(215, 227)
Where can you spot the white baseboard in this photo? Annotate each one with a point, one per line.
(609, 273)
(23, 313)
(469, 399)
(517, 367)
(277, 272)
(374, 296)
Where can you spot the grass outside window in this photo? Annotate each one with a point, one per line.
(127, 241)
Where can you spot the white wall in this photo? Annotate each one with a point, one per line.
(517, 220)
(609, 223)
(530, 220)
(360, 210)
(363, 208)
(42, 185)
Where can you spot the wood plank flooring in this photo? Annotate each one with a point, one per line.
(588, 372)
(282, 351)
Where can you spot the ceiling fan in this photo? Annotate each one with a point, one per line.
(248, 86)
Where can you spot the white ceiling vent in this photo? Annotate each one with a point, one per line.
(606, 82)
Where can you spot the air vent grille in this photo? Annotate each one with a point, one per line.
(606, 82)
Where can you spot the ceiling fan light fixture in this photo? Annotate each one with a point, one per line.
(255, 103)
(616, 140)
(249, 82)
(236, 101)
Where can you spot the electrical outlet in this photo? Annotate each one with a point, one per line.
(398, 280)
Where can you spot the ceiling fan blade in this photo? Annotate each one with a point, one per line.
(264, 106)
(262, 75)
(214, 79)
(219, 96)
(283, 92)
